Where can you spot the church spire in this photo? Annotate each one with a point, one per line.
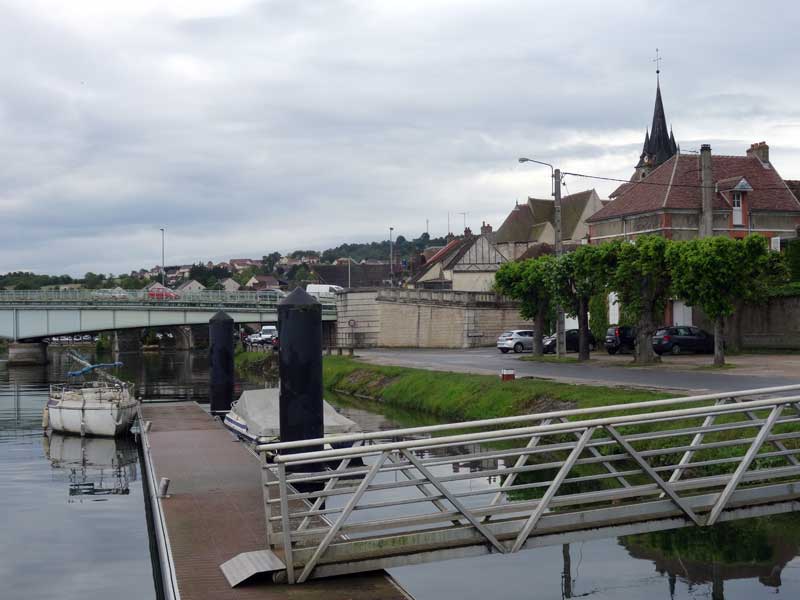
(659, 143)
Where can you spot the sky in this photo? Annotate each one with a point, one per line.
(249, 126)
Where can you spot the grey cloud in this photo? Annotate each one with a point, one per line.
(313, 123)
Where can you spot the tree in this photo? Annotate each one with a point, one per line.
(639, 274)
(269, 261)
(527, 281)
(719, 274)
(575, 278)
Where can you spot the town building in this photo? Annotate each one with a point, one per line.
(192, 285)
(240, 264)
(692, 195)
(466, 263)
(354, 275)
(683, 196)
(262, 282)
(533, 223)
(230, 285)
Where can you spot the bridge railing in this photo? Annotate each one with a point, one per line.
(262, 299)
(376, 500)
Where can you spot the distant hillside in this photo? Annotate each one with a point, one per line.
(403, 248)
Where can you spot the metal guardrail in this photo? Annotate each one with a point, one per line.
(385, 499)
(119, 298)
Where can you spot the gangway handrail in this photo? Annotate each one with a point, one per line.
(519, 432)
(558, 414)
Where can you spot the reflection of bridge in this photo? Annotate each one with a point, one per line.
(38, 314)
(394, 498)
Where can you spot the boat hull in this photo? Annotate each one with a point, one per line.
(104, 419)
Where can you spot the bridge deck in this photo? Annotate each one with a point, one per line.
(215, 511)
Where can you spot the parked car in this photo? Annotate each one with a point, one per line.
(162, 294)
(518, 340)
(620, 338)
(682, 338)
(571, 335)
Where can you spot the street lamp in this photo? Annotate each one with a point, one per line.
(163, 269)
(391, 257)
(556, 176)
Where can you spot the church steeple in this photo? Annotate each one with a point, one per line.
(659, 143)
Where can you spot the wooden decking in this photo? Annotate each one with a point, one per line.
(215, 511)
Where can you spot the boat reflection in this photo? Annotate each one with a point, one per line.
(95, 467)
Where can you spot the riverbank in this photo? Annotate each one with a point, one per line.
(463, 396)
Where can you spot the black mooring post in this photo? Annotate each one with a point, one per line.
(220, 351)
(300, 366)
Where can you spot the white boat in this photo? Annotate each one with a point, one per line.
(255, 417)
(92, 408)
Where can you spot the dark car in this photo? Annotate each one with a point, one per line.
(571, 335)
(682, 338)
(620, 338)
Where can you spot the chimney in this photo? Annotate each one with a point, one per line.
(761, 150)
(707, 185)
(485, 228)
(467, 232)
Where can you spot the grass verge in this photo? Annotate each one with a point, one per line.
(258, 362)
(547, 358)
(464, 396)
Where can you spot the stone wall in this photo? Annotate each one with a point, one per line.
(444, 319)
(773, 324)
(358, 319)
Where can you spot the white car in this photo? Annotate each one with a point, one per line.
(518, 340)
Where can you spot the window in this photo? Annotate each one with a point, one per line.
(737, 208)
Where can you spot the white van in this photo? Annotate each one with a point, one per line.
(323, 290)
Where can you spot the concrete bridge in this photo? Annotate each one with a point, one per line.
(32, 315)
(27, 317)
(392, 498)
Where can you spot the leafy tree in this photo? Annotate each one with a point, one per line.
(718, 273)
(93, 281)
(598, 315)
(269, 261)
(639, 274)
(527, 281)
(793, 259)
(576, 277)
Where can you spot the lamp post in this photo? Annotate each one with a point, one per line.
(163, 270)
(391, 258)
(556, 176)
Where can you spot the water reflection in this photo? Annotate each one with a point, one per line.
(96, 467)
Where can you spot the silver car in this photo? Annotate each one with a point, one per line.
(518, 340)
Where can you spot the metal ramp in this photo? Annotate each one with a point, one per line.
(249, 564)
(408, 496)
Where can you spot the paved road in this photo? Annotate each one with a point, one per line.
(490, 361)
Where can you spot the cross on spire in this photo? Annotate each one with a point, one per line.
(657, 60)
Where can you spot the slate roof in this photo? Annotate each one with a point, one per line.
(676, 185)
(360, 275)
(526, 222)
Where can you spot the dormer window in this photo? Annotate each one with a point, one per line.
(737, 209)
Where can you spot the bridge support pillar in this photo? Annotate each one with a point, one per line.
(27, 353)
(127, 340)
(184, 337)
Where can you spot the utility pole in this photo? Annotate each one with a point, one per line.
(391, 257)
(561, 346)
(163, 270)
(349, 262)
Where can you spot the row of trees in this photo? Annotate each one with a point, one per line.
(716, 274)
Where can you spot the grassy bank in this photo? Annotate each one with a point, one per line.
(254, 362)
(463, 396)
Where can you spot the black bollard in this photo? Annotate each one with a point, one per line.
(220, 351)
(300, 366)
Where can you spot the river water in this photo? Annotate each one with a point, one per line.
(73, 520)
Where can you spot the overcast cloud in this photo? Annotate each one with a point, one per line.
(246, 127)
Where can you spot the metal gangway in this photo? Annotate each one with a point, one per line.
(384, 499)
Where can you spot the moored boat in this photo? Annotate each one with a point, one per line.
(255, 417)
(104, 408)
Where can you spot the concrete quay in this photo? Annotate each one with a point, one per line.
(214, 510)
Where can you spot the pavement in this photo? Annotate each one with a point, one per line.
(687, 373)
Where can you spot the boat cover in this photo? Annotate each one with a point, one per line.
(259, 409)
